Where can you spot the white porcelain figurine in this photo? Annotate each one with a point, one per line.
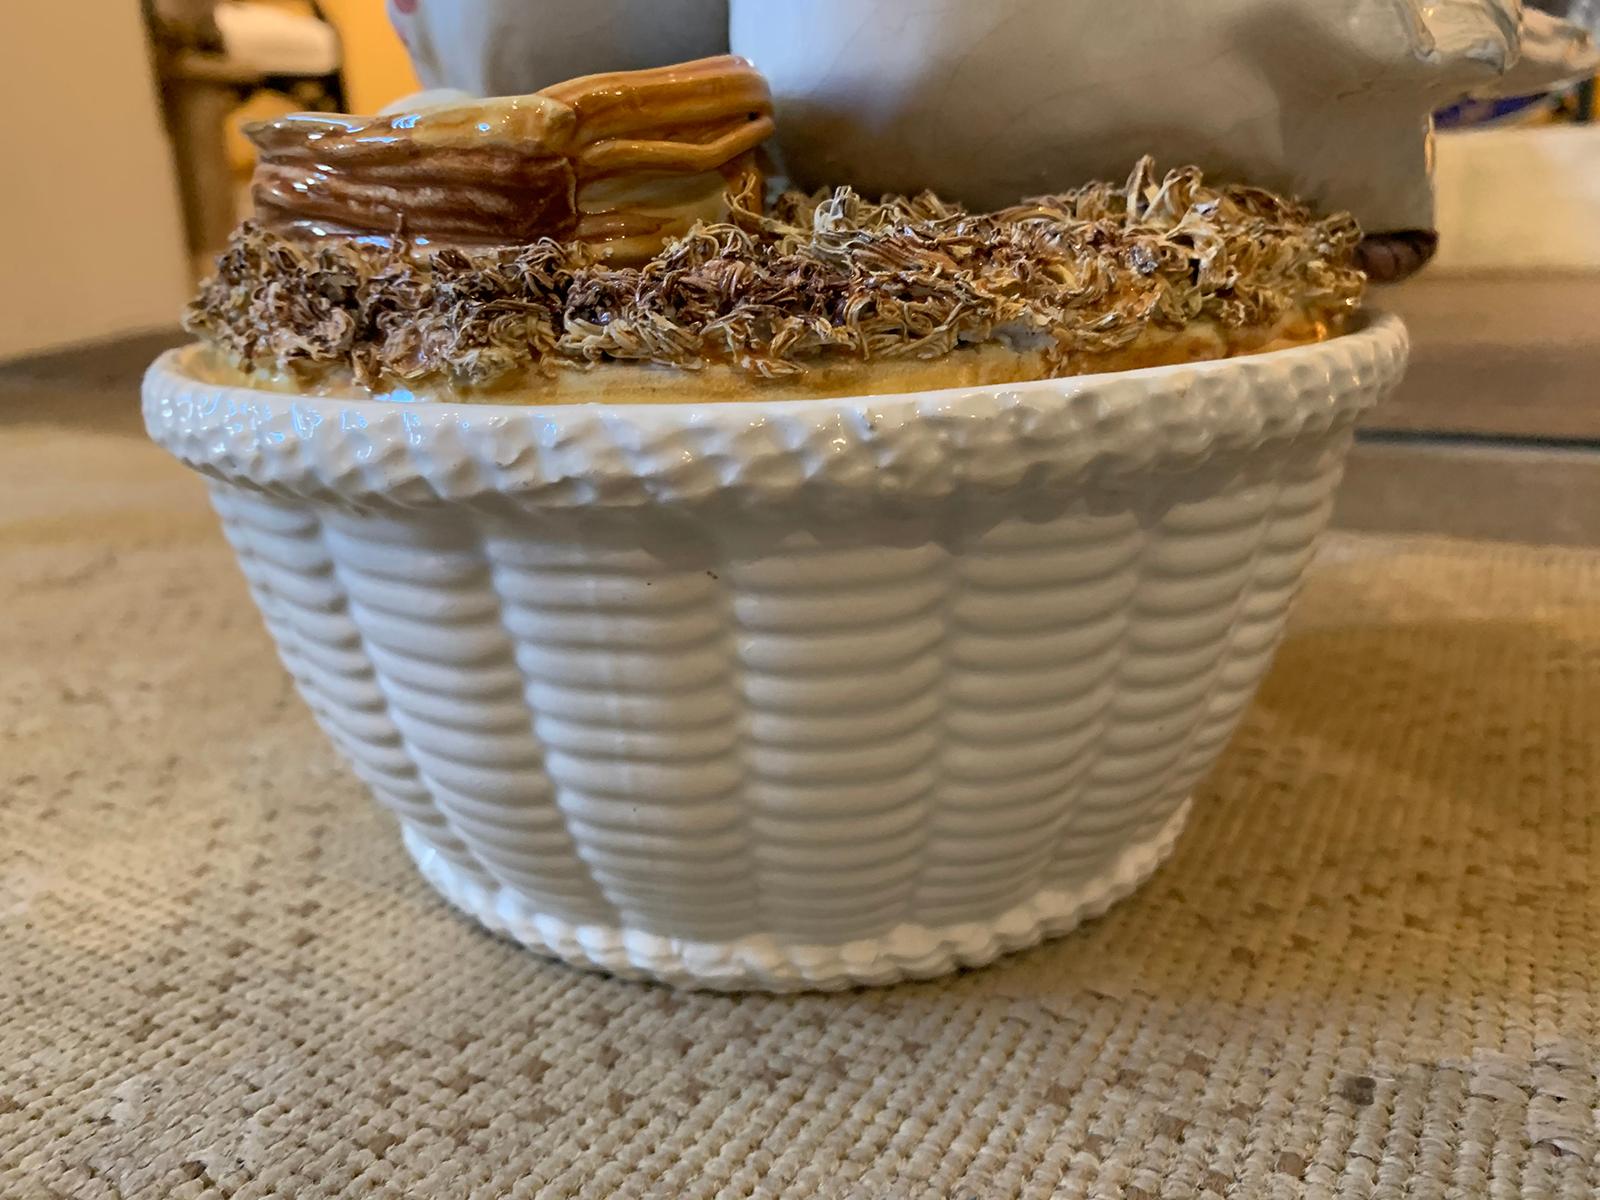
(986, 101)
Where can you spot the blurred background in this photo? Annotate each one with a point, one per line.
(134, 176)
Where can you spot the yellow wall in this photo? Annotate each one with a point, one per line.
(376, 69)
(1518, 199)
(88, 201)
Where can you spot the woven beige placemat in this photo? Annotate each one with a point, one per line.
(1368, 971)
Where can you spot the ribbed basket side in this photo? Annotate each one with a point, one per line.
(284, 560)
(626, 647)
(1036, 627)
(420, 593)
(840, 659)
(710, 728)
(1302, 502)
(1196, 571)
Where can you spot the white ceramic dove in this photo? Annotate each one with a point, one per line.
(511, 47)
(986, 101)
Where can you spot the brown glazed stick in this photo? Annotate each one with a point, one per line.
(510, 171)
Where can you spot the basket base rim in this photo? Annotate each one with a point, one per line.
(766, 963)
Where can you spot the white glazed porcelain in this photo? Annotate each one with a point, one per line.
(511, 47)
(786, 695)
(987, 101)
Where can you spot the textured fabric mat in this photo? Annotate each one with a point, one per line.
(1369, 970)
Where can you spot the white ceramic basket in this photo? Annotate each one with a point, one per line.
(786, 695)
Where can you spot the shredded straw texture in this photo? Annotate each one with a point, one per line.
(822, 277)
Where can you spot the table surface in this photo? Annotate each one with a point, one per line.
(1369, 970)
(1497, 355)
